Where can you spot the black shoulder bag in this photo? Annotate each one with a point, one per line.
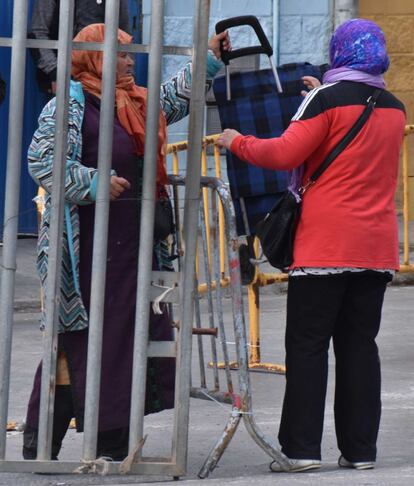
(164, 215)
(276, 231)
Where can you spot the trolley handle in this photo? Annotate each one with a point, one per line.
(264, 48)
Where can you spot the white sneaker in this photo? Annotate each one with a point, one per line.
(342, 462)
(294, 465)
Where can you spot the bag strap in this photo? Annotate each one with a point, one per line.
(341, 146)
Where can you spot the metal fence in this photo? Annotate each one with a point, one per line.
(174, 465)
(211, 259)
(218, 269)
(214, 256)
(263, 279)
(226, 347)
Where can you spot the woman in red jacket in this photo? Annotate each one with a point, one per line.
(345, 252)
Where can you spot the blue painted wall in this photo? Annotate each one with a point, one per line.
(34, 101)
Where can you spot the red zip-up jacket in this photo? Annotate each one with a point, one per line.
(348, 217)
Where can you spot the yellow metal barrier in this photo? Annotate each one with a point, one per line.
(260, 280)
(174, 149)
(263, 279)
(406, 265)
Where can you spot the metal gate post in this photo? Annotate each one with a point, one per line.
(191, 208)
(11, 209)
(100, 241)
(146, 227)
(267, 444)
(52, 301)
(344, 10)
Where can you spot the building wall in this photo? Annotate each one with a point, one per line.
(396, 18)
(304, 31)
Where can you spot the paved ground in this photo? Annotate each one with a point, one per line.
(243, 462)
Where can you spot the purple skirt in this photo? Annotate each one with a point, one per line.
(120, 297)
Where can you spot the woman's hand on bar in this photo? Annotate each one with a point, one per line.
(226, 138)
(118, 186)
(215, 40)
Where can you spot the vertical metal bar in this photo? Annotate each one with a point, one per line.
(177, 220)
(52, 302)
(344, 10)
(106, 123)
(244, 216)
(253, 291)
(200, 346)
(197, 262)
(406, 256)
(268, 445)
(221, 215)
(217, 160)
(11, 208)
(210, 306)
(222, 241)
(254, 322)
(276, 29)
(140, 22)
(276, 75)
(213, 211)
(219, 306)
(176, 167)
(191, 207)
(177, 217)
(221, 445)
(228, 82)
(147, 227)
(205, 205)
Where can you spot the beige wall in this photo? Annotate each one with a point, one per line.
(396, 18)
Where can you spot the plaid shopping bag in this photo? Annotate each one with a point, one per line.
(256, 108)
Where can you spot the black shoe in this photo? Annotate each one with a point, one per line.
(62, 417)
(30, 445)
(113, 444)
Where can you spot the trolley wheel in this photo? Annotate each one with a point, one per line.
(176, 478)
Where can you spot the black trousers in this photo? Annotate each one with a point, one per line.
(110, 443)
(347, 308)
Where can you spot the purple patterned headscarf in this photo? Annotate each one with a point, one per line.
(359, 44)
(357, 52)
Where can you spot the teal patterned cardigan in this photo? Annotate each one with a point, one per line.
(81, 184)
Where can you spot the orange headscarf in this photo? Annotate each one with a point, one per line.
(131, 100)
